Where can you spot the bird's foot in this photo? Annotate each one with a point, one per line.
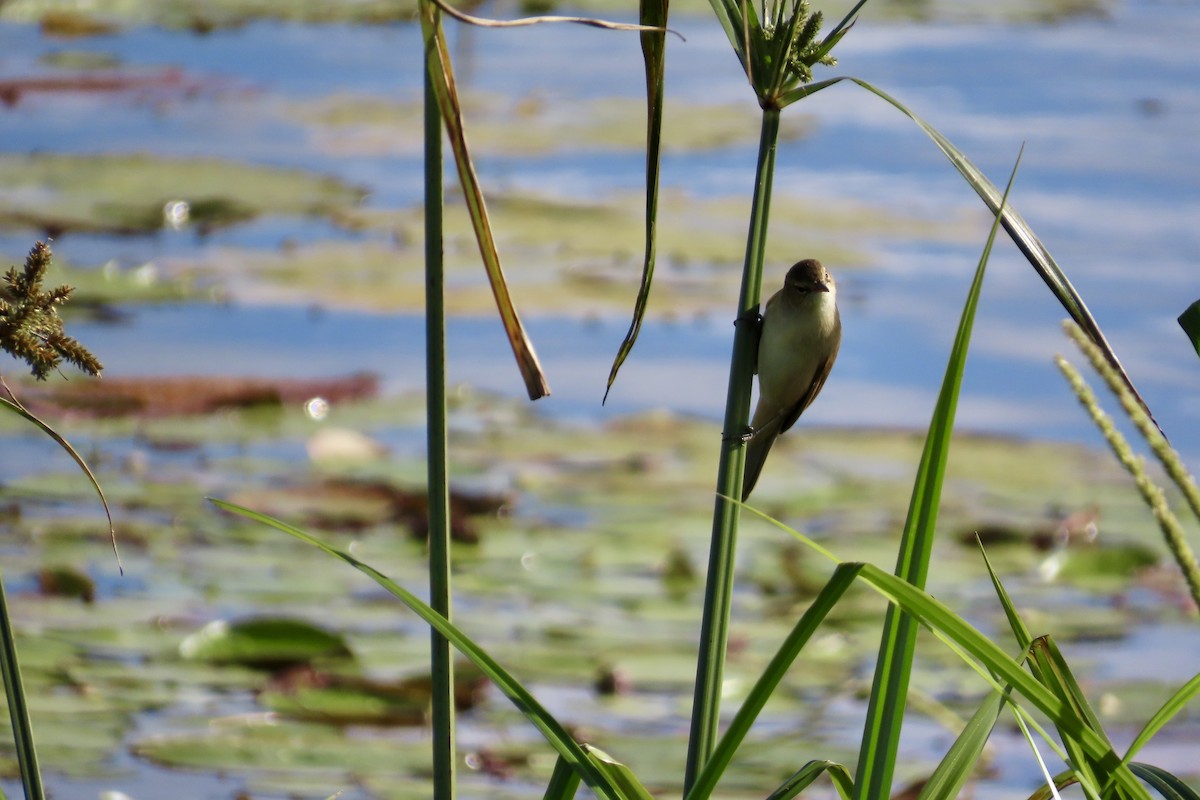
(753, 316)
(746, 435)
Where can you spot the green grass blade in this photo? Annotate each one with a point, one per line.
(441, 72)
(809, 773)
(988, 660)
(795, 641)
(520, 697)
(1175, 703)
(997, 667)
(729, 15)
(564, 781)
(18, 709)
(1019, 629)
(958, 764)
(889, 691)
(800, 92)
(1055, 675)
(654, 48)
(1002, 672)
(620, 775)
(1166, 784)
(1022, 235)
(1189, 320)
(19, 409)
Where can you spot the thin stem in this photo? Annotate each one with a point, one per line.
(1152, 494)
(18, 708)
(714, 631)
(1167, 456)
(441, 657)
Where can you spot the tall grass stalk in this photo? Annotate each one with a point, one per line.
(714, 630)
(1166, 455)
(441, 660)
(1168, 523)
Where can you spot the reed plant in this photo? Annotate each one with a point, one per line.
(778, 47)
(32, 330)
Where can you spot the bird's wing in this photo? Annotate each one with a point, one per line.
(789, 416)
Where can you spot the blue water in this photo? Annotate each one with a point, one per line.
(1111, 184)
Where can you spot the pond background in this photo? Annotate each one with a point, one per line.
(1106, 104)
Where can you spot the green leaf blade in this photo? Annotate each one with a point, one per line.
(1189, 320)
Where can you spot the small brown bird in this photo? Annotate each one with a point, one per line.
(799, 340)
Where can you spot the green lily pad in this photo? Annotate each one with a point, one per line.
(266, 642)
(336, 699)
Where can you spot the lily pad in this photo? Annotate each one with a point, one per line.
(331, 698)
(264, 642)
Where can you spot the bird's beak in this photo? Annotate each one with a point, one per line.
(820, 286)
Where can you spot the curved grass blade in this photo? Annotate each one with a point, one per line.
(550, 728)
(1189, 320)
(732, 20)
(990, 662)
(483, 22)
(1175, 703)
(1022, 235)
(1165, 783)
(441, 73)
(841, 29)
(809, 773)
(996, 666)
(889, 691)
(18, 709)
(801, 92)
(652, 13)
(17, 408)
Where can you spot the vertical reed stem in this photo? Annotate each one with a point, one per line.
(714, 631)
(441, 656)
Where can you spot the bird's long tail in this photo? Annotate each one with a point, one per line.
(756, 456)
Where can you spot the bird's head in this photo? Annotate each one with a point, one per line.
(809, 276)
